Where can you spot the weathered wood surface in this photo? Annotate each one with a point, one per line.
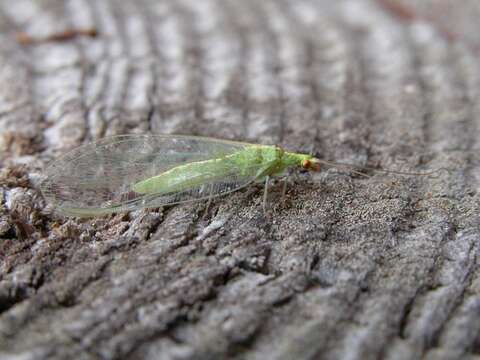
(346, 268)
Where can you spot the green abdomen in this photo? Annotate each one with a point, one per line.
(247, 163)
(184, 177)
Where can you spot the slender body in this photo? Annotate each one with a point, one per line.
(131, 172)
(256, 161)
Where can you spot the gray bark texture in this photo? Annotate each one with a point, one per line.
(347, 267)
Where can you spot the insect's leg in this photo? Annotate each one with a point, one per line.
(265, 172)
(265, 194)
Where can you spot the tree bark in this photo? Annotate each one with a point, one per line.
(347, 267)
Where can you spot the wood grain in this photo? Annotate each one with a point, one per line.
(347, 268)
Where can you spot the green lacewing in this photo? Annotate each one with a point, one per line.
(130, 172)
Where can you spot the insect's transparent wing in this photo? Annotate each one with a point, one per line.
(97, 178)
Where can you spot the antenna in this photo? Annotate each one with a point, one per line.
(354, 168)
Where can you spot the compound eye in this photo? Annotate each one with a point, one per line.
(306, 164)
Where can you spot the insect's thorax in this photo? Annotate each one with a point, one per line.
(257, 155)
(271, 159)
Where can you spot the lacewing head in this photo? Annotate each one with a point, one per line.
(312, 164)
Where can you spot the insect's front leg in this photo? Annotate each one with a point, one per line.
(286, 177)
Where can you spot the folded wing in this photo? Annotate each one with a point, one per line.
(99, 178)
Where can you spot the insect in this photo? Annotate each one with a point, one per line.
(130, 172)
